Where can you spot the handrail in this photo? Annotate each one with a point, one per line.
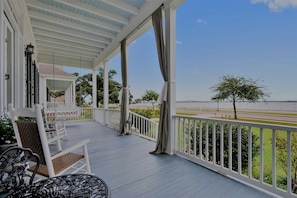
(248, 152)
(142, 126)
(136, 124)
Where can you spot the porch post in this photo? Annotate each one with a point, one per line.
(170, 38)
(73, 95)
(43, 91)
(1, 59)
(94, 82)
(105, 91)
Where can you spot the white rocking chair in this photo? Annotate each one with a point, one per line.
(31, 134)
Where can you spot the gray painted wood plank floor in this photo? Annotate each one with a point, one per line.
(130, 171)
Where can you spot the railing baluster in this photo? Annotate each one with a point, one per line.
(195, 138)
(189, 135)
(250, 153)
(230, 147)
(200, 139)
(273, 158)
(222, 145)
(214, 139)
(183, 133)
(261, 156)
(179, 134)
(206, 141)
(239, 149)
(289, 162)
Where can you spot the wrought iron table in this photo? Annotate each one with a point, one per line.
(72, 185)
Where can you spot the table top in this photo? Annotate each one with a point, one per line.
(72, 185)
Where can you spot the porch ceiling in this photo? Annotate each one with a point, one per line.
(84, 33)
(57, 85)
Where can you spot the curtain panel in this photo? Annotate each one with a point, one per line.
(164, 109)
(124, 90)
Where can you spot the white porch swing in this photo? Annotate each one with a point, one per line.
(61, 111)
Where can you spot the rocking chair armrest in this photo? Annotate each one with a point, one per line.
(52, 139)
(72, 148)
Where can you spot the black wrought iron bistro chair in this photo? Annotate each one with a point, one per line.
(14, 177)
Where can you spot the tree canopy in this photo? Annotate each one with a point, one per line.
(84, 87)
(150, 95)
(238, 89)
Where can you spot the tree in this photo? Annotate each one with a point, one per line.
(238, 89)
(84, 87)
(56, 94)
(150, 96)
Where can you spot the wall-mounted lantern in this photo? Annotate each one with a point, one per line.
(30, 78)
(29, 49)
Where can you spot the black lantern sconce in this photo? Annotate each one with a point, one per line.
(29, 78)
(29, 50)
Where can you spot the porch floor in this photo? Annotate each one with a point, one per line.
(130, 171)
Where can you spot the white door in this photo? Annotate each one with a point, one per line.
(8, 64)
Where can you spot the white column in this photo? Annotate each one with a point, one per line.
(73, 94)
(42, 91)
(105, 91)
(94, 82)
(127, 88)
(1, 59)
(170, 38)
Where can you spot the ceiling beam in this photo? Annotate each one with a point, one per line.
(93, 10)
(66, 54)
(72, 15)
(67, 46)
(72, 25)
(43, 34)
(59, 60)
(122, 5)
(59, 41)
(69, 50)
(80, 37)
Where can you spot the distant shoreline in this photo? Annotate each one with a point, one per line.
(290, 106)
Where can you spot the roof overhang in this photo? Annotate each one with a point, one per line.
(85, 33)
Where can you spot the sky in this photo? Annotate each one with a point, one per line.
(254, 39)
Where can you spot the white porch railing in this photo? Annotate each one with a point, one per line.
(137, 124)
(99, 115)
(110, 117)
(249, 152)
(68, 114)
(63, 105)
(142, 126)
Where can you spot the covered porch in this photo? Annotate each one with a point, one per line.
(130, 171)
(123, 162)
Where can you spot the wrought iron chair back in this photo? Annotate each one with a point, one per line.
(14, 176)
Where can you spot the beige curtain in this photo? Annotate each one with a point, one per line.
(164, 119)
(124, 90)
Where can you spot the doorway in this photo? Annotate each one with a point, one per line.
(8, 86)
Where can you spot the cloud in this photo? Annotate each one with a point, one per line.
(277, 5)
(179, 42)
(201, 21)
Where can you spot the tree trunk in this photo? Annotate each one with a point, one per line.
(234, 107)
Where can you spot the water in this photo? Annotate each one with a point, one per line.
(265, 106)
